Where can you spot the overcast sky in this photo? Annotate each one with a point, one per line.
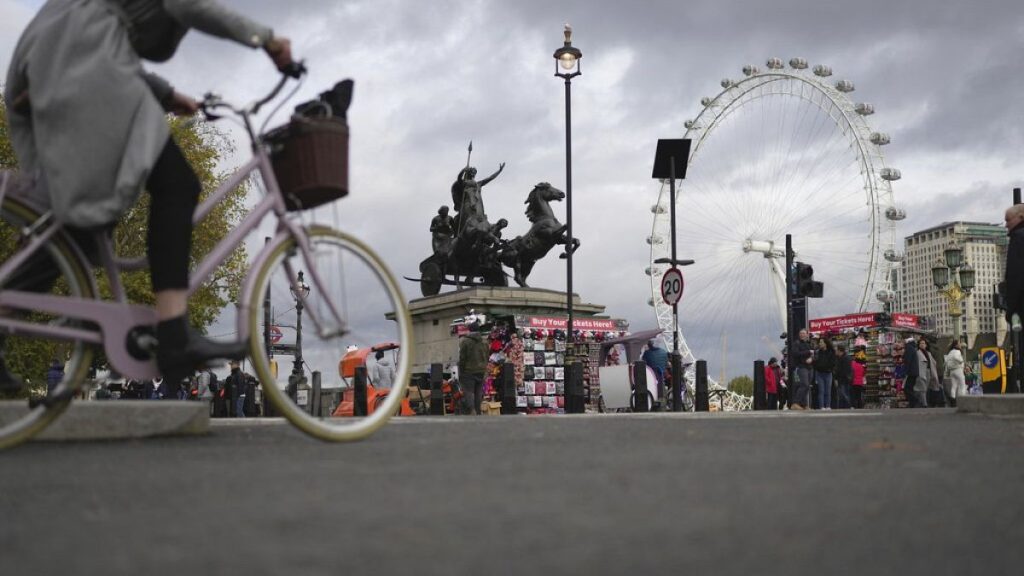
(945, 77)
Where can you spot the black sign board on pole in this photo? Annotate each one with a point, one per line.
(667, 149)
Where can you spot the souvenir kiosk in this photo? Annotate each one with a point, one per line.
(877, 340)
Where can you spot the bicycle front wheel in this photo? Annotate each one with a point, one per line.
(338, 299)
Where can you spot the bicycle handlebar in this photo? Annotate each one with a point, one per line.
(211, 101)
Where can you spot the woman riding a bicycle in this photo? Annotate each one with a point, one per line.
(87, 122)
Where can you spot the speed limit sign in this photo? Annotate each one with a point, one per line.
(672, 286)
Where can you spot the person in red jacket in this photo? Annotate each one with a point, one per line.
(857, 385)
(771, 383)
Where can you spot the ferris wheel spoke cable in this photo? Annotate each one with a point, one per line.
(790, 186)
(783, 173)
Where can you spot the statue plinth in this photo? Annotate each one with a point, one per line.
(432, 316)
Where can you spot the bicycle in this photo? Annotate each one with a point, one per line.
(352, 296)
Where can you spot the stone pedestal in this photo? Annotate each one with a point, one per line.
(432, 316)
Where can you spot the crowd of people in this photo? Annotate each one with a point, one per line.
(231, 397)
(828, 376)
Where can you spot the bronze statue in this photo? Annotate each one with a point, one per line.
(442, 229)
(524, 251)
(468, 250)
(471, 220)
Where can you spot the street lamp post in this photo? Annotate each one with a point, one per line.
(953, 285)
(567, 67)
(299, 290)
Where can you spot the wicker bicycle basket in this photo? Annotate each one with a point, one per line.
(310, 158)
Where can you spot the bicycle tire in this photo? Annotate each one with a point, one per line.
(14, 212)
(358, 254)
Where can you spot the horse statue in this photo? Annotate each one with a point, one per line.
(522, 252)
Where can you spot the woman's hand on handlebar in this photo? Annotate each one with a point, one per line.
(280, 51)
(182, 105)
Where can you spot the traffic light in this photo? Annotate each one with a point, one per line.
(805, 284)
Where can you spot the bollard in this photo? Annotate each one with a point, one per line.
(359, 404)
(760, 400)
(574, 389)
(508, 388)
(316, 403)
(436, 390)
(701, 401)
(640, 395)
(677, 382)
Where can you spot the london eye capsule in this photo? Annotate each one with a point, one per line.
(895, 214)
(798, 64)
(823, 71)
(890, 174)
(879, 138)
(893, 256)
(774, 64)
(844, 86)
(750, 70)
(727, 83)
(864, 109)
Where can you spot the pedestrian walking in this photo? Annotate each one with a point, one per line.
(234, 391)
(383, 372)
(204, 392)
(801, 356)
(780, 377)
(1013, 287)
(472, 365)
(54, 376)
(824, 364)
(927, 383)
(954, 372)
(843, 377)
(858, 370)
(771, 383)
(911, 371)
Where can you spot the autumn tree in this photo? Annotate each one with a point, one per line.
(205, 147)
(743, 385)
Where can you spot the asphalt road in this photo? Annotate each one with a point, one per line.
(902, 492)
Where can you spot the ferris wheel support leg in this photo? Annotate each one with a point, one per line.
(779, 286)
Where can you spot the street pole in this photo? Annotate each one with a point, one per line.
(789, 319)
(568, 207)
(567, 57)
(676, 361)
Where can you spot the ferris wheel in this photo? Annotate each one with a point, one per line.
(779, 151)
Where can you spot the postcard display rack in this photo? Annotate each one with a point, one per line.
(536, 348)
(881, 350)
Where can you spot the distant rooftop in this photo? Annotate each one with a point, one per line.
(973, 228)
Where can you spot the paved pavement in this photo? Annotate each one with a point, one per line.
(902, 492)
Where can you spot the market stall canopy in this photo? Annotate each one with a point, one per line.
(633, 343)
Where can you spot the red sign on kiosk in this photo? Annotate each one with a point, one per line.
(861, 320)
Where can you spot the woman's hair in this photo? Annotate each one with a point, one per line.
(952, 345)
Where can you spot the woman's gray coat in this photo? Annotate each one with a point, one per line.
(95, 124)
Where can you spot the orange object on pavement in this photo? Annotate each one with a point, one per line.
(374, 397)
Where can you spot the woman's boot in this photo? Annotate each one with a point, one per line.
(182, 350)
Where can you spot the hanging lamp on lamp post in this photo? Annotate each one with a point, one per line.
(954, 279)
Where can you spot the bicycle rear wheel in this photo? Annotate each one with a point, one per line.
(31, 357)
(343, 275)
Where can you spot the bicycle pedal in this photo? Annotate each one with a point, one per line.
(141, 343)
